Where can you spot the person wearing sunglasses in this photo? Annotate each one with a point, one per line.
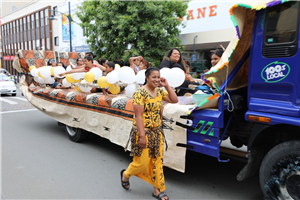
(80, 63)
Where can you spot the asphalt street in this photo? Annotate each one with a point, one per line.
(40, 162)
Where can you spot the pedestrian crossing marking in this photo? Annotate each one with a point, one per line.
(20, 98)
(8, 101)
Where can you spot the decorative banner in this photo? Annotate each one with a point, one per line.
(65, 28)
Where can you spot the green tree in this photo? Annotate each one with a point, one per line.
(150, 27)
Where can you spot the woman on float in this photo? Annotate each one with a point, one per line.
(80, 63)
(147, 139)
(215, 58)
(173, 59)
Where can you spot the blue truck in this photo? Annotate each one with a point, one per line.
(266, 114)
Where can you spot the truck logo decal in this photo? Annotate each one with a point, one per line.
(275, 72)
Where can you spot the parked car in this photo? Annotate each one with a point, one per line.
(4, 71)
(7, 85)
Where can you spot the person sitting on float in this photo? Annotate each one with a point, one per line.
(134, 63)
(110, 66)
(59, 80)
(80, 63)
(95, 62)
(144, 64)
(103, 62)
(173, 59)
(215, 58)
(51, 63)
(187, 74)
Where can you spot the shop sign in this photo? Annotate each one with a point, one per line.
(8, 57)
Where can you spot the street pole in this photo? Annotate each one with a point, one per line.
(70, 31)
(195, 46)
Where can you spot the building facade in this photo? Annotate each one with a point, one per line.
(25, 26)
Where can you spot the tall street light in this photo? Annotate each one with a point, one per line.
(70, 21)
(194, 56)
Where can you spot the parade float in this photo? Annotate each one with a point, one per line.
(255, 100)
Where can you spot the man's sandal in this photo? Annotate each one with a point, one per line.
(161, 195)
(123, 183)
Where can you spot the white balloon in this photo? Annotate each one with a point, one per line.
(126, 75)
(52, 80)
(140, 77)
(45, 72)
(97, 72)
(66, 83)
(176, 77)
(59, 70)
(130, 89)
(82, 75)
(36, 78)
(84, 88)
(34, 72)
(77, 76)
(164, 72)
(41, 80)
(68, 68)
(49, 80)
(112, 77)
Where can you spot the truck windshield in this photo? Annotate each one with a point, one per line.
(282, 23)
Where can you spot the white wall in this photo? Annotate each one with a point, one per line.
(216, 16)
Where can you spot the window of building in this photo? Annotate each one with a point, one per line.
(28, 22)
(38, 46)
(37, 20)
(14, 25)
(54, 12)
(25, 46)
(21, 25)
(24, 24)
(48, 44)
(32, 21)
(33, 44)
(56, 42)
(42, 18)
(29, 45)
(46, 17)
(17, 26)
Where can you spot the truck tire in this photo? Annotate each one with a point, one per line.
(76, 134)
(279, 173)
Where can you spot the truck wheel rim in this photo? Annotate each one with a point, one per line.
(291, 190)
(71, 130)
(293, 186)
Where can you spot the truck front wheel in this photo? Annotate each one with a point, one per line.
(279, 173)
(76, 134)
